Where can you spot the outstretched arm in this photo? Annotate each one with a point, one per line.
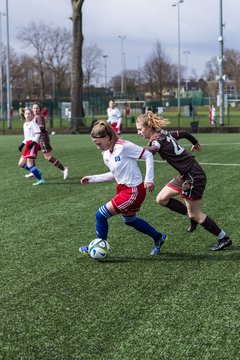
(97, 178)
(182, 134)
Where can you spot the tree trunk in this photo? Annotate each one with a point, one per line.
(77, 112)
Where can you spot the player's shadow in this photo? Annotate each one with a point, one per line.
(232, 254)
(57, 181)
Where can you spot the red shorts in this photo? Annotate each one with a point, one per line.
(129, 199)
(30, 153)
(114, 126)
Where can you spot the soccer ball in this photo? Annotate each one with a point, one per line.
(99, 249)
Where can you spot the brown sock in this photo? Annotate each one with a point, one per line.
(56, 163)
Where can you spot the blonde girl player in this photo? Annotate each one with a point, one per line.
(114, 117)
(44, 140)
(121, 158)
(30, 144)
(191, 179)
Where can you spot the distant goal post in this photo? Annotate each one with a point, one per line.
(130, 107)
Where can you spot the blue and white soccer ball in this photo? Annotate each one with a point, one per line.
(99, 249)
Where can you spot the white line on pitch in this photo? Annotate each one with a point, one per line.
(201, 163)
(212, 144)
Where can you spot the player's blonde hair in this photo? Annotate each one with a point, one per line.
(102, 129)
(152, 120)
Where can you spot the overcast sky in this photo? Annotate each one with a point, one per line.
(143, 22)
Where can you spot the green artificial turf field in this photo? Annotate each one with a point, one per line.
(57, 304)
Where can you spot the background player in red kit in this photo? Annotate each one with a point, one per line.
(114, 117)
(191, 180)
(121, 158)
(30, 144)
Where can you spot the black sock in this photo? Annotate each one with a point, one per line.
(177, 206)
(211, 226)
(193, 222)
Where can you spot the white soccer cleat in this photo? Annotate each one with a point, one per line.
(29, 175)
(65, 173)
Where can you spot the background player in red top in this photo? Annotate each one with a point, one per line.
(191, 180)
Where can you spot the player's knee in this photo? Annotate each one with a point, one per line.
(161, 200)
(103, 213)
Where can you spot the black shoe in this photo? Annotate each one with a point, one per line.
(223, 243)
(193, 225)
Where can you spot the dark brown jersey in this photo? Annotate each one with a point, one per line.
(166, 144)
(44, 140)
(41, 123)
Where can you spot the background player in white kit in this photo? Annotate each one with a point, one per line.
(121, 158)
(31, 137)
(114, 117)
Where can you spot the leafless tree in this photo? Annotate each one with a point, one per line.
(58, 57)
(115, 83)
(26, 84)
(232, 66)
(231, 69)
(211, 69)
(131, 80)
(16, 73)
(51, 52)
(92, 64)
(158, 71)
(36, 36)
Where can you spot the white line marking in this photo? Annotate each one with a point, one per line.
(212, 144)
(201, 163)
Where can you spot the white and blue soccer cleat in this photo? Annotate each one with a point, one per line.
(84, 250)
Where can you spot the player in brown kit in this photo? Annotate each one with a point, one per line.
(44, 140)
(189, 183)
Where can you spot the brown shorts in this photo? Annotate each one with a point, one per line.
(44, 143)
(190, 185)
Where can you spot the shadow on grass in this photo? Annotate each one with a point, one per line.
(232, 254)
(53, 182)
